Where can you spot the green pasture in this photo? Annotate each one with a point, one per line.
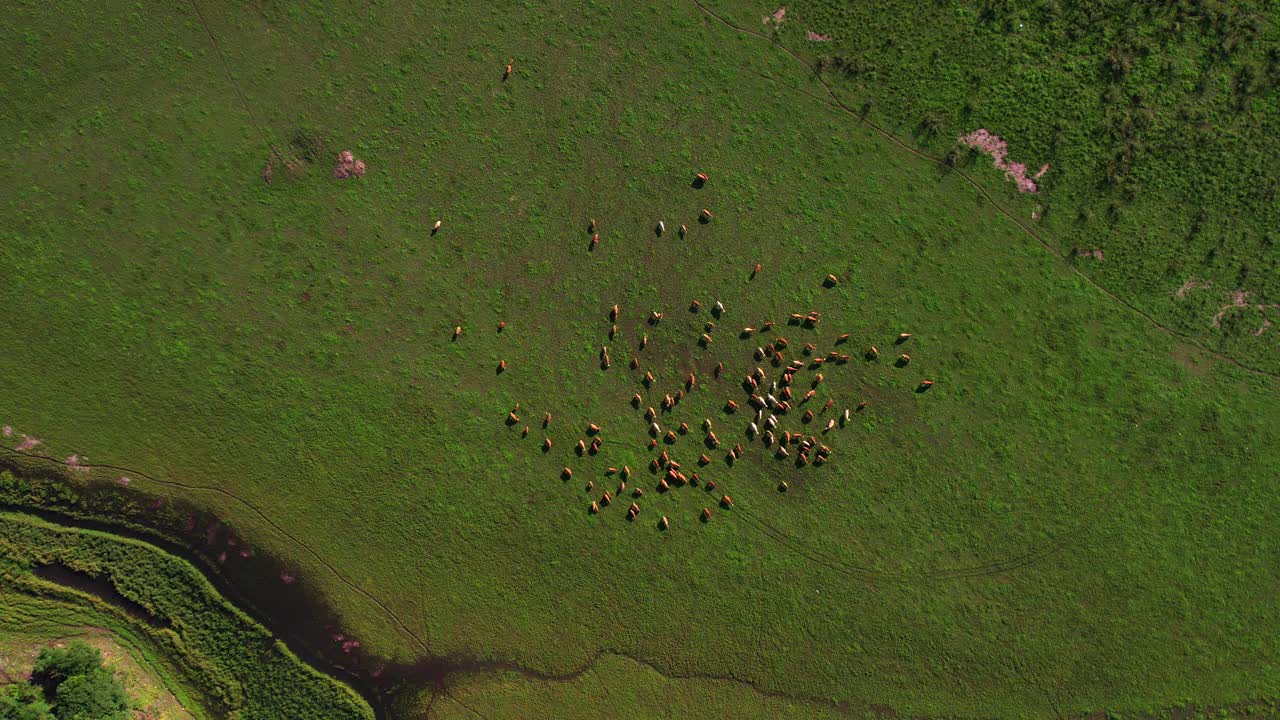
(1076, 517)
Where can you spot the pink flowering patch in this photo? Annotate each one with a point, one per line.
(992, 145)
(776, 17)
(123, 481)
(350, 645)
(268, 172)
(73, 463)
(348, 166)
(287, 579)
(7, 430)
(27, 443)
(816, 37)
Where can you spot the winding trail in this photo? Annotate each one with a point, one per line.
(835, 103)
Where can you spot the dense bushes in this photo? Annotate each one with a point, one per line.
(236, 664)
(78, 686)
(23, 702)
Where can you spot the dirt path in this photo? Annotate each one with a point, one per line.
(835, 103)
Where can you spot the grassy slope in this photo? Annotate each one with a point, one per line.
(156, 320)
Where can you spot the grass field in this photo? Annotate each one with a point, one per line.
(1074, 518)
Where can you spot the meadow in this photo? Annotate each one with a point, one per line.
(1074, 518)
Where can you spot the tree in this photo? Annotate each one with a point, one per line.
(93, 696)
(55, 665)
(78, 686)
(23, 702)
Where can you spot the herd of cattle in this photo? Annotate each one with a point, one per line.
(779, 412)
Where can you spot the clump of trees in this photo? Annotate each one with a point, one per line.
(66, 684)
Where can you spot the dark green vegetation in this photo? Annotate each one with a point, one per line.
(24, 636)
(234, 667)
(1161, 123)
(72, 685)
(1074, 518)
(19, 701)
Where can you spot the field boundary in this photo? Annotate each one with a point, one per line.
(838, 104)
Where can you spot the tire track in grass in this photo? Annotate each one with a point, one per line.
(231, 80)
(256, 511)
(838, 104)
(865, 574)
